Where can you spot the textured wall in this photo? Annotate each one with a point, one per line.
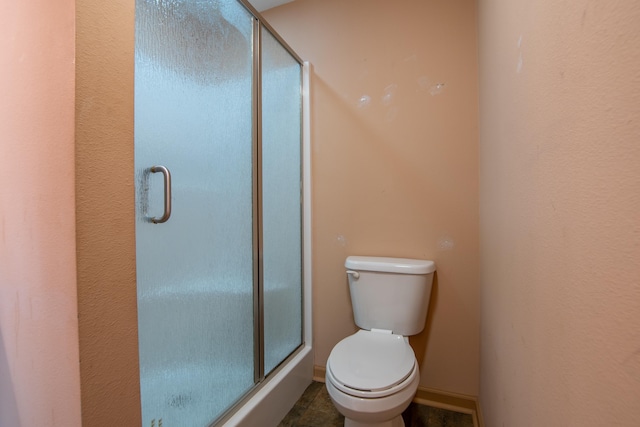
(39, 376)
(560, 203)
(394, 162)
(105, 214)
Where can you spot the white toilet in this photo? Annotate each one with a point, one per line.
(372, 375)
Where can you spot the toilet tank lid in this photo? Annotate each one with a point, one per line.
(390, 265)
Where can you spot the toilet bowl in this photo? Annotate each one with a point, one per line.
(371, 378)
(372, 375)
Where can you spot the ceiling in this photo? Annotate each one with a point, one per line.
(262, 5)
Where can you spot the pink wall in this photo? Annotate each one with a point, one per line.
(395, 162)
(39, 374)
(560, 212)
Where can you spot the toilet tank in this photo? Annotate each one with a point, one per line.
(390, 293)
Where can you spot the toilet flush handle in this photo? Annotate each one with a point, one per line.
(355, 274)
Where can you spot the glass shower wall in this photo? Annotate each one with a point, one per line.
(195, 275)
(281, 200)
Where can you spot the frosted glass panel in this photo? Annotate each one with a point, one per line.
(193, 114)
(281, 180)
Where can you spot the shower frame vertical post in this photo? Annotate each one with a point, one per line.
(258, 280)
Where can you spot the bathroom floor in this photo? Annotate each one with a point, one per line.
(314, 409)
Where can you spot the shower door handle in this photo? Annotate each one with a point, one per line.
(167, 193)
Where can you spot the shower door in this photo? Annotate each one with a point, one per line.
(281, 112)
(195, 205)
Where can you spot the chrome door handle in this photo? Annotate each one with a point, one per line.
(167, 193)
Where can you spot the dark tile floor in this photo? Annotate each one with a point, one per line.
(315, 409)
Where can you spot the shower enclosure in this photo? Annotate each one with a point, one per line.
(219, 208)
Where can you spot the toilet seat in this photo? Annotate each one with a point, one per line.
(371, 364)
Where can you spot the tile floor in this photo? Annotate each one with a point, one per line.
(314, 409)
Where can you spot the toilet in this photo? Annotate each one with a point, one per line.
(372, 375)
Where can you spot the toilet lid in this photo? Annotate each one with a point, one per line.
(372, 361)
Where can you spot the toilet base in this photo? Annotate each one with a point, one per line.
(378, 412)
(396, 422)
